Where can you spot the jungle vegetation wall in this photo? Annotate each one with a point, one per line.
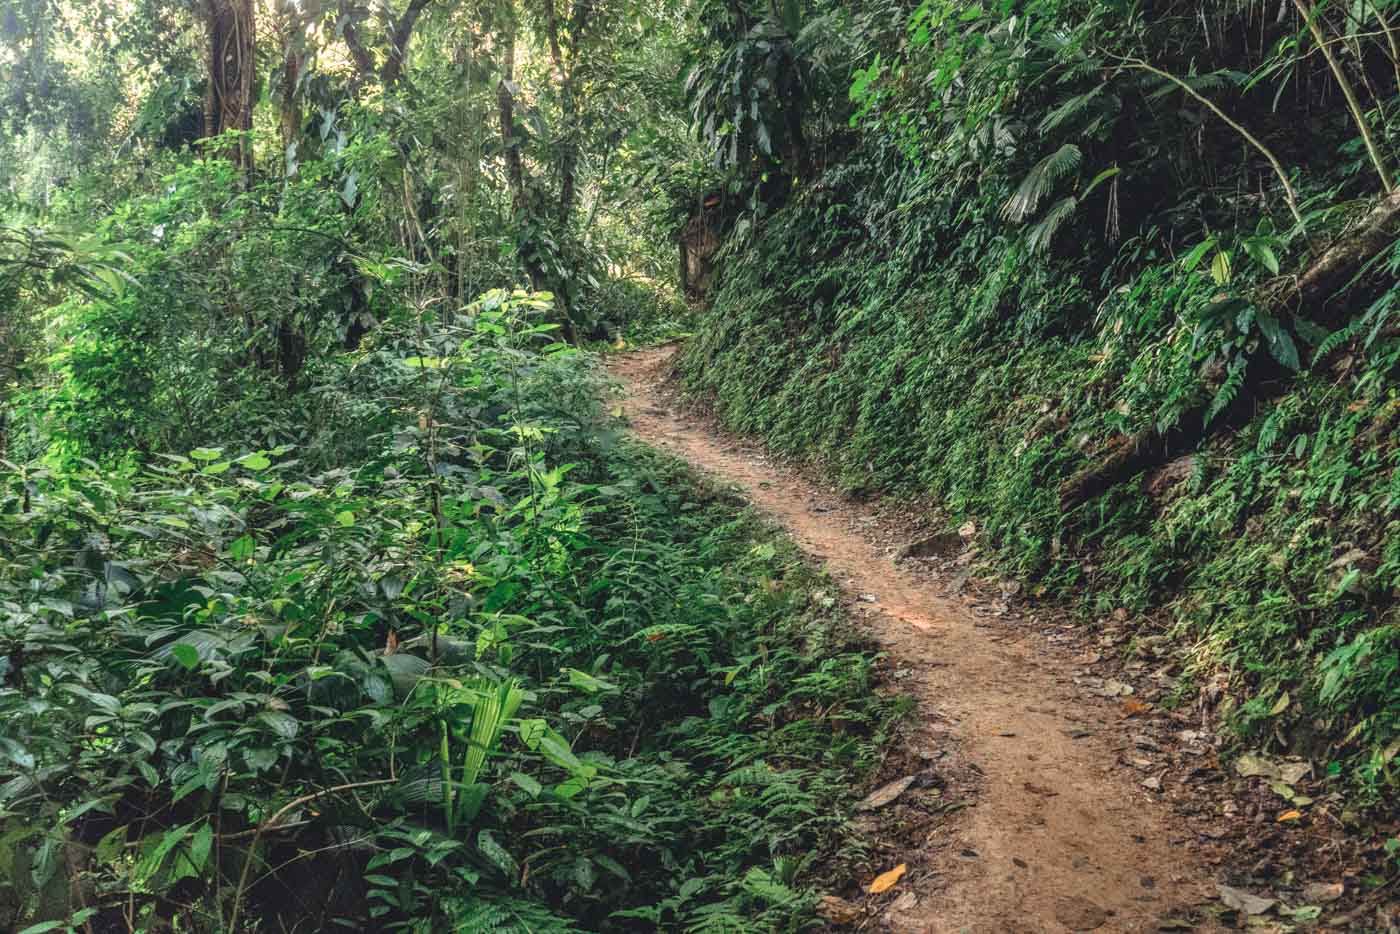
(1116, 281)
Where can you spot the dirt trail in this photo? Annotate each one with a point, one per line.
(1062, 838)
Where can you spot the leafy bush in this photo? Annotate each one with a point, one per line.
(504, 669)
(1012, 272)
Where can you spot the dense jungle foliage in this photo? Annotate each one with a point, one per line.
(1115, 281)
(330, 594)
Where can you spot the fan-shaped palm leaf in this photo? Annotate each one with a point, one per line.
(1040, 181)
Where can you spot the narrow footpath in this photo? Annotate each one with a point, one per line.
(1063, 836)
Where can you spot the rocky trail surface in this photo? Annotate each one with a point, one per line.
(1018, 802)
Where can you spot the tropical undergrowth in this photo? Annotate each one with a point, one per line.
(1009, 267)
(501, 670)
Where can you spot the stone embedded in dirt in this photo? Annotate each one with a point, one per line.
(884, 795)
(1243, 901)
(929, 778)
(1112, 688)
(1154, 783)
(1079, 914)
(1323, 891)
(931, 547)
(905, 902)
(838, 910)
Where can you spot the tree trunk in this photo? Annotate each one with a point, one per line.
(398, 44)
(1330, 273)
(228, 102)
(290, 110)
(510, 143)
(568, 143)
(515, 162)
(400, 33)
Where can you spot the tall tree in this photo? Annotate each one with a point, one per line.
(398, 29)
(228, 101)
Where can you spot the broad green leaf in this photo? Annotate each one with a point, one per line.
(284, 725)
(186, 654)
(1220, 268)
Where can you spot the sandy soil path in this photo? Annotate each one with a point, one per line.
(1062, 837)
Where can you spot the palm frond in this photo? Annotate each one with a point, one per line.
(1040, 181)
(1040, 235)
(1069, 109)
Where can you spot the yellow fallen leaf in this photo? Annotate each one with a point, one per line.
(620, 345)
(885, 880)
(1132, 707)
(1290, 815)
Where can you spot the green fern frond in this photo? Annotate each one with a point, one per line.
(1040, 180)
(503, 915)
(1044, 230)
(1234, 381)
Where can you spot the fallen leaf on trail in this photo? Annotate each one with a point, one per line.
(1290, 816)
(1152, 784)
(1112, 688)
(838, 910)
(1280, 705)
(1323, 891)
(886, 880)
(1294, 772)
(1252, 764)
(1132, 707)
(1241, 900)
(967, 530)
(1040, 790)
(884, 795)
(620, 344)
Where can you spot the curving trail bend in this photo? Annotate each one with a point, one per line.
(1062, 837)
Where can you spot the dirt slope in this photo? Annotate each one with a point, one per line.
(1062, 837)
